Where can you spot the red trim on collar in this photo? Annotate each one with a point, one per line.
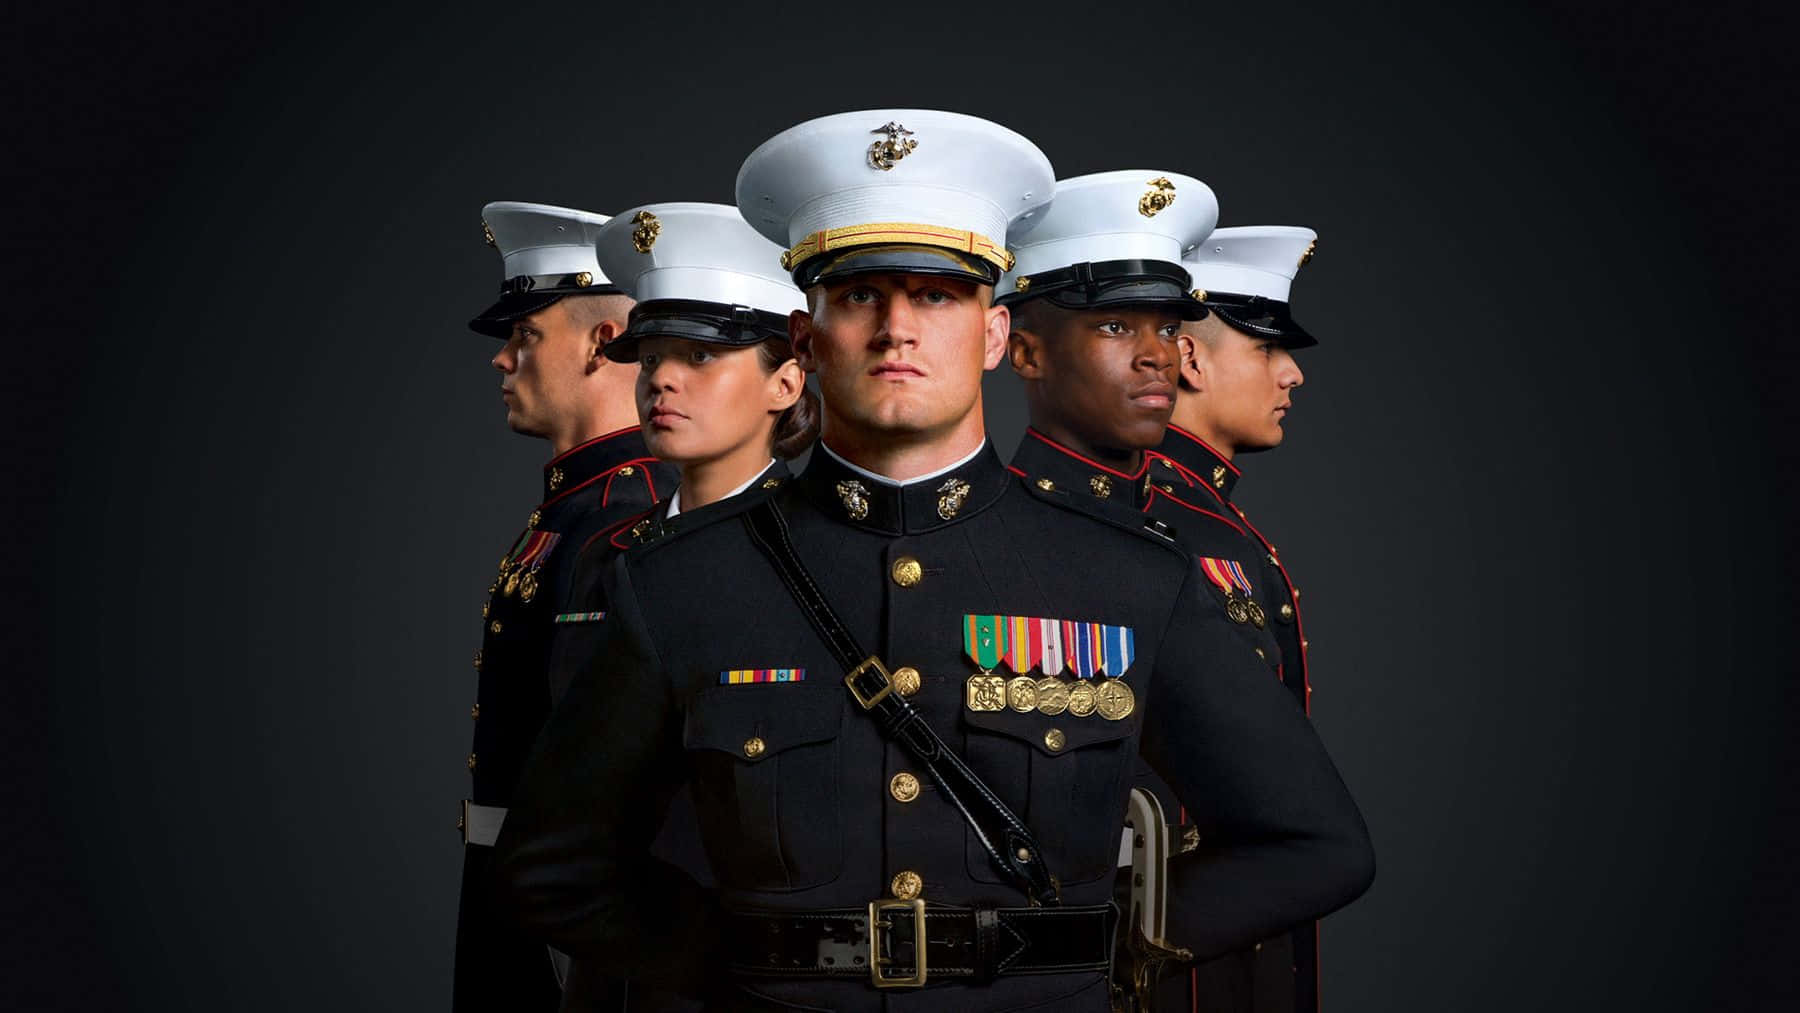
(606, 496)
(612, 534)
(588, 443)
(1195, 480)
(1226, 461)
(1015, 471)
(1059, 448)
(1199, 510)
(607, 474)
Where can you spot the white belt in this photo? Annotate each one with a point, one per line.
(481, 823)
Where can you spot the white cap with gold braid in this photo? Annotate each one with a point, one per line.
(895, 190)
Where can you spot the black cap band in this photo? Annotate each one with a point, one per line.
(1110, 283)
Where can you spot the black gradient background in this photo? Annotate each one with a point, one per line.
(1535, 487)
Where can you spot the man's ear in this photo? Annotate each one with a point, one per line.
(1025, 350)
(800, 336)
(999, 325)
(1193, 373)
(598, 337)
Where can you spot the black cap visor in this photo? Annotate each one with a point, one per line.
(709, 322)
(525, 294)
(1260, 318)
(497, 320)
(894, 258)
(1112, 284)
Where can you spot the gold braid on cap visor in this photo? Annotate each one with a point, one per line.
(897, 233)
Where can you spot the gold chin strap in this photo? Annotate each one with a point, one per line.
(897, 234)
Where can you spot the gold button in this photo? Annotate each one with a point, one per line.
(1296, 594)
(494, 627)
(907, 571)
(1046, 485)
(906, 885)
(474, 712)
(1260, 654)
(1287, 611)
(1305, 645)
(477, 659)
(904, 787)
(1054, 740)
(906, 680)
(471, 761)
(754, 746)
(1024, 854)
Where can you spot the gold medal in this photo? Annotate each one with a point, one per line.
(1114, 700)
(1235, 610)
(986, 692)
(528, 586)
(1257, 618)
(1021, 694)
(1052, 696)
(1082, 699)
(512, 584)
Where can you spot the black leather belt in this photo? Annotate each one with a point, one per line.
(968, 943)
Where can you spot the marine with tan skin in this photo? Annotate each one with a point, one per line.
(555, 315)
(1238, 377)
(1236, 388)
(555, 379)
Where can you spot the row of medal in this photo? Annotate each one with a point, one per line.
(518, 568)
(1228, 576)
(1109, 698)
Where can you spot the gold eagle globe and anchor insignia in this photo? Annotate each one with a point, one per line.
(487, 234)
(951, 497)
(1218, 476)
(1157, 199)
(648, 228)
(1307, 256)
(898, 144)
(855, 497)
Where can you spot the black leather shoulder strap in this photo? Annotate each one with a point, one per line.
(1009, 842)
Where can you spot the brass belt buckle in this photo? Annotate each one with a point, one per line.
(887, 683)
(876, 908)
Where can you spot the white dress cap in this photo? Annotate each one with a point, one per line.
(696, 271)
(1145, 215)
(1246, 272)
(546, 253)
(1248, 260)
(944, 185)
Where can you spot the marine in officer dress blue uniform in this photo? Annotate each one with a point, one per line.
(1099, 297)
(556, 312)
(845, 879)
(1237, 381)
(723, 403)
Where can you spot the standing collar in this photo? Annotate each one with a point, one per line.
(864, 499)
(584, 462)
(1041, 459)
(884, 480)
(1195, 456)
